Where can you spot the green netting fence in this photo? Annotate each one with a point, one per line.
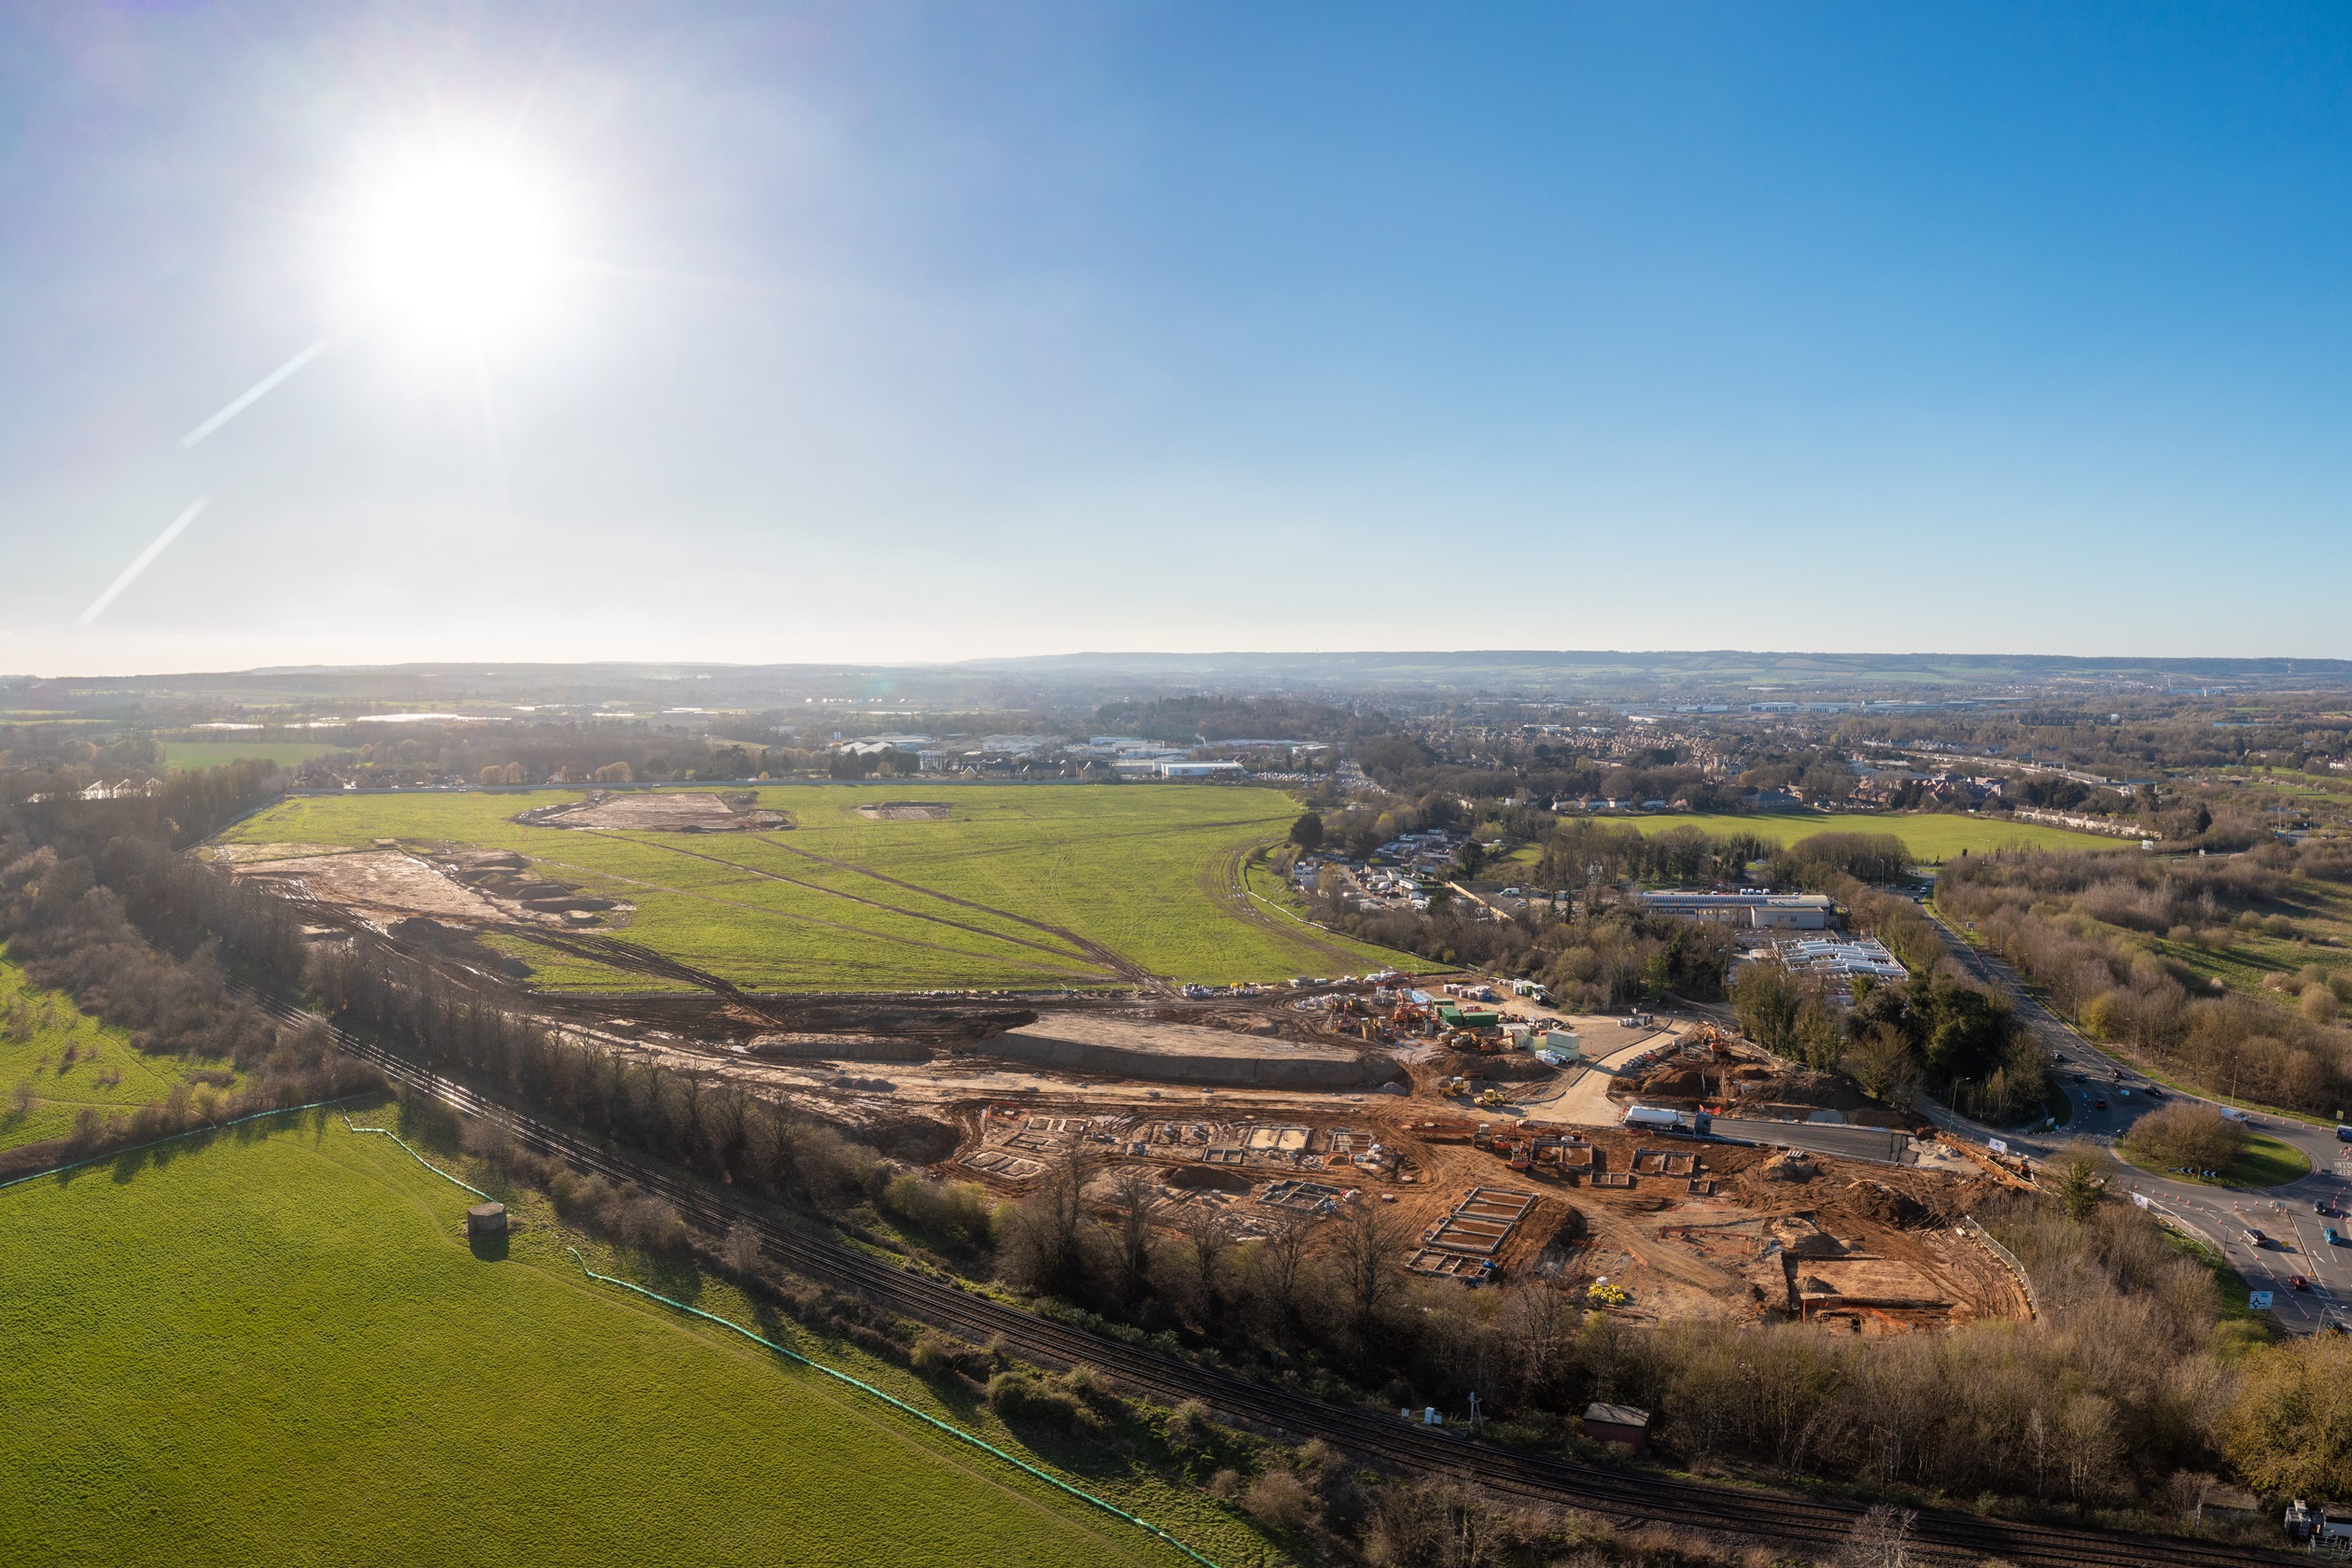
(192, 1132)
(953, 1430)
(422, 1160)
(894, 1401)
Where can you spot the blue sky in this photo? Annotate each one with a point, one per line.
(922, 332)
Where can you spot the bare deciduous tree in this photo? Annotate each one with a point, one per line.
(1366, 1247)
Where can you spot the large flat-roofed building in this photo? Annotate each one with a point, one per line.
(1764, 911)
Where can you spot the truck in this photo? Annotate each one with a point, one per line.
(1651, 1116)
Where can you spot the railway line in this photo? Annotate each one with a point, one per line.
(1630, 1499)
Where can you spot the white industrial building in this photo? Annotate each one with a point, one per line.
(1759, 910)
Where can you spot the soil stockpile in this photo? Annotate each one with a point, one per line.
(692, 811)
(1184, 1054)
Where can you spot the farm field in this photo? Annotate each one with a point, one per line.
(187, 754)
(1932, 836)
(279, 1348)
(1022, 887)
(37, 1028)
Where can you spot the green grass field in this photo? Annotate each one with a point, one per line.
(220, 753)
(1026, 886)
(1931, 837)
(278, 1348)
(36, 1059)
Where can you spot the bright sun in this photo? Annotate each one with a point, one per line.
(456, 246)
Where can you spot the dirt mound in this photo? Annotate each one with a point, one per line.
(686, 811)
(905, 811)
(836, 1047)
(1883, 1203)
(1673, 1084)
(1505, 1067)
(1791, 1165)
(1822, 1091)
(916, 1139)
(1183, 1053)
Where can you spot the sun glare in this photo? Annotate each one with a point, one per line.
(456, 246)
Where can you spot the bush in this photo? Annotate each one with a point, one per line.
(953, 1209)
(1279, 1501)
(1188, 1426)
(2181, 1136)
(1022, 1398)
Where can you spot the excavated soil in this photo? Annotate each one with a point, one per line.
(1184, 1054)
(692, 811)
(905, 811)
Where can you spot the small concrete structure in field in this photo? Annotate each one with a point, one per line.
(1628, 1425)
(485, 1220)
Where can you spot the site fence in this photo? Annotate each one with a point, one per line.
(2007, 1260)
(949, 1428)
(156, 1142)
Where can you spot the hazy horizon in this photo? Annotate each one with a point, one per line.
(892, 333)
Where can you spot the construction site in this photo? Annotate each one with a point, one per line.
(1508, 1140)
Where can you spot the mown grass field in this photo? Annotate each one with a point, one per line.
(278, 1348)
(36, 1027)
(220, 753)
(1026, 887)
(1931, 837)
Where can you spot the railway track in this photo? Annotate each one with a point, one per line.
(1628, 1498)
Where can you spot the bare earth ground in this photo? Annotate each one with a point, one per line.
(654, 812)
(1700, 1228)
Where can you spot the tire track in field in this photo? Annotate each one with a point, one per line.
(1229, 876)
(1110, 958)
(1086, 950)
(819, 920)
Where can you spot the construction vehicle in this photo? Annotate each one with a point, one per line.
(1453, 1086)
(1492, 1099)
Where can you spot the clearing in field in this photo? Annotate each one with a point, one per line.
(279, 1348)
(1021, 888)
(1932, 836)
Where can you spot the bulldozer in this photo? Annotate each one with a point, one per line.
(1492, 1097)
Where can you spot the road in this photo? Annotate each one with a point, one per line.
(1885, 1146)
(2107, 1095)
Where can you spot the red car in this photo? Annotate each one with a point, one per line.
(2296, 1282)
(2098, 1105)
